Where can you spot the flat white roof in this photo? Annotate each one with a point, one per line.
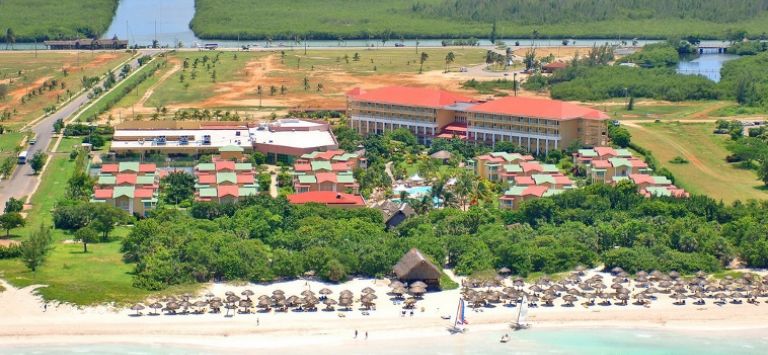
(295, 123)
(294, 139)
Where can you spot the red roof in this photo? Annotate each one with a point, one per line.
(538, 108)
(245, 179)
(537, 191)
(562, 180)
(102, 194)
(109, 168)
(340, 167)
(147, 168)
(556, 65)
(456, 127)
(228, 190)
(328, 155)
(524, 180)
(605, 151)
(638, 163)
(125, 179)
(302, 167)
(206, 178)
(326, 197)
(601, 164)
(325, 177)
(143, 193)
(225, 165)
(531, 167)
(642, 179)
(451, 136)
(409, 96)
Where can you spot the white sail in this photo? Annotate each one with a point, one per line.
(521, 315)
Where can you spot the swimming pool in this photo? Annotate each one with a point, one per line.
(415, 191)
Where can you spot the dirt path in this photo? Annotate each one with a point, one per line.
(151, 89)
(692, 158)
(15, 95)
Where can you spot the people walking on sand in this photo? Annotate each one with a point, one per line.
(366, 335)
(355, 334)
(257, 322)
(45, 307)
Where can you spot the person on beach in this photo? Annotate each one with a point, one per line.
(366, 335)
(45, 307)
(355, 334)
(257, 322)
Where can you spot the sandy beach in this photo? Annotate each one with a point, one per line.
(25, 321)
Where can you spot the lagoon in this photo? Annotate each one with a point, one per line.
(707, 65)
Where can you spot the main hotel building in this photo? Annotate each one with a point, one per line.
(540, 125)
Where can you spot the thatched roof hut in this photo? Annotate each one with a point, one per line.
(414, 266)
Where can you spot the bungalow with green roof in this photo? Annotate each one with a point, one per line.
(225, 180)
(131, 186)
(498, 166)
(326, 171)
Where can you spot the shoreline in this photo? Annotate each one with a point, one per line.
(24, 323)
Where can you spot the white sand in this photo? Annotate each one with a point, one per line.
(23, 320)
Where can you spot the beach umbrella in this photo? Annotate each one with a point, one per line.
(679, 296)
(505, 270)
(369, 290)
(264, 304)
(585, 286)
(641, 273)
(229, 293)
(329, 303)
(665, 284)
(169, 299)
(292, 301)
(217, 299)
(186, 296)
(247, 294)
(137, 307)
(558, 288)
(574, 292)
(656, 274)
(418, 284)
(325, 291)
(346, 293)
(395, 284)
(307, 293)
(232, 299)
(200, 304)
(278, 292)
(617, 286)
(156, 306)
(263, 297)
(616, 270)
(518, 282)
(570, 299)
(701, 274)
(674, 274)
(535, 288)
(580, 269)
(209, 295)
(171, 307)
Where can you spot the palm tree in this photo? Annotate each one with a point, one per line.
(449, 58)
(422, 59)
(259, 92)
(466, 186)
(10, 38)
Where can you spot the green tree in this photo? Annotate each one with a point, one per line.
(38, 161)
(762, 171)
(178, 186)
(10, 38)
(450, 58)
(105, 218)
(14, 205)
(10, 221)
(7, 167)
(3, 91)
(422, 58)
(86, 235)
(619, 136)
(35, 248)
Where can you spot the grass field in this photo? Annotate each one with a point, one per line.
(43, 67)
(330, 19)
(46, 19)
(70, 275)
(707, 171)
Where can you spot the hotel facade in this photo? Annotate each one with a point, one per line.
(539, 125)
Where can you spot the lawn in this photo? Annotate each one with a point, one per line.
(27, 72)
(70, 275)
(363, 19)
(46, 19)
(384, 61)
(707, 171)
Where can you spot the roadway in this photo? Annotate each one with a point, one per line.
(23, 182)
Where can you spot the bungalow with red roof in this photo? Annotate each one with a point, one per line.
(538, 125)
(326, 171)
(224, 181)
(516, 195)
(656, 186)
(328, 198)
(131, 186)
(499, 166)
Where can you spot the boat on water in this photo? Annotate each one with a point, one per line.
(522, 313)
(504, 338)
(460, 321)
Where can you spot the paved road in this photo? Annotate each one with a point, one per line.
(22, 183)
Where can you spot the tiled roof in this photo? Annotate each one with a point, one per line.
(129, 166)
(147, 168)
(106, 180)
(410, 96)
(326, 197)
(228, 190)
(325, 177)
(102, 193)
(145, 179)
(226, 177)
(248, 191)
(123, 179)
(207, 192)
(304, 167)
(243, 167)
(120, 191)
(307, 179)
(538, 108)
(206, 179)
(524, 180)
(345, 178)
(205, 167)
(144, 193)
(109, 168)
(321, 165)
(243, 179)
(225, 165)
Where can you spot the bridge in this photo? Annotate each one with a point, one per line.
(713, 49)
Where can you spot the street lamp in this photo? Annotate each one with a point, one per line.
(514, 78)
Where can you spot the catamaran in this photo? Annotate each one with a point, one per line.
(522, 312)
(460, 321)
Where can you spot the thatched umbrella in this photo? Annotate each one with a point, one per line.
(329, 303)
(215, 299)
(623, 297)
(216, 305)
(504, 270)
(347, 293)
(417, 291)
(665, 284)
(263, 297)
(548, 299)
(410, 303)
(137, 307)
(558, 288)
(278, 292)
(169, 299)
(307, 293)
(155, 306)
(209, 295)
(580, 269)
(185, 305)
(395, 283)
(656, 275)
(418, 284)
(679, 297)
(265, 304)
(200, 304)
(570, 299)
(536, 288)
(368, 290)
(518, 282)
(292, 301)
(325, 291)
(171, 307)
(674, 275)
(244, 304)
(229, 293)
(616, 270)
(232, 299)
(186, 296)
(701, 274)
(574, 292)
(641, 273)
(346, 302)
(247, 294)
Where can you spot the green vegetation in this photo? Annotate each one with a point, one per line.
(391, 20)
(745, 80)
(656, 55)
(42, 19)
(590, 83)
(708, 171)
(748, 47)
(493, 87)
